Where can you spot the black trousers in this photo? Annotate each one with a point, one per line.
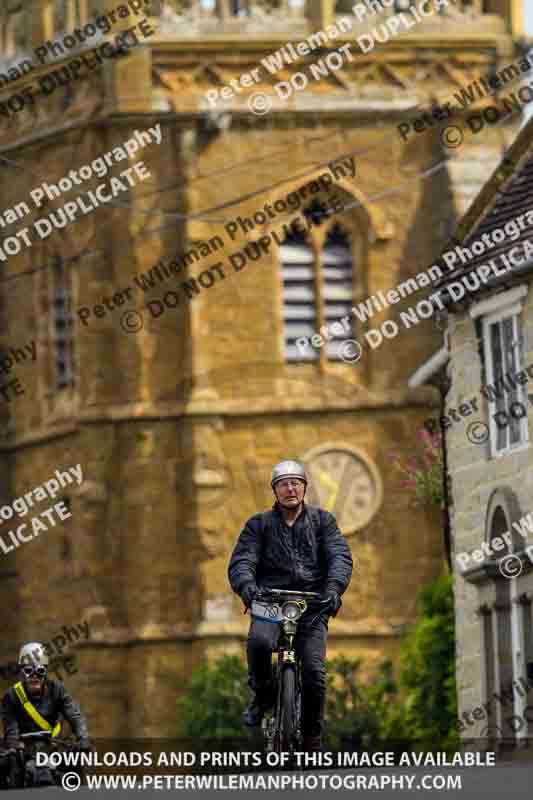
(310, 645)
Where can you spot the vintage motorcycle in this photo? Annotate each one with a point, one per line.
(282, 727)
(20, 769)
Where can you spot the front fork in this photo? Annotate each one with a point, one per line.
(271, 723)
(269, 732)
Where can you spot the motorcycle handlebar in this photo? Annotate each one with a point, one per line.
(295, 592)
(47, 735)
(314, 600)
(267, 593)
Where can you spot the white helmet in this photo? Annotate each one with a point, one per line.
(33, 653)
(288, 469)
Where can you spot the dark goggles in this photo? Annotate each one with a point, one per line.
(30, 671)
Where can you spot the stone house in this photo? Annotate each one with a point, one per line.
(485, 372)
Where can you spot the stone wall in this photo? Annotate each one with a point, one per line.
(474, 476)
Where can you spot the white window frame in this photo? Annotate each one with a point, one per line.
(508, 309)
(311, 354)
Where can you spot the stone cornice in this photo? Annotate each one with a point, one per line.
(152, 633)
(400, 59)
(490, 571)
(356, 399)
(458, 41)
(246, 30)
(482, 573)
(375, 82)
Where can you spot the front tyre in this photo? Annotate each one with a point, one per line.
(16, 771)
(288, 715)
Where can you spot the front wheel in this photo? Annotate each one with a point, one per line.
(16, 770)
(288, 722)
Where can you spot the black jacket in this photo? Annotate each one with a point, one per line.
(54, 701)
(311, 556)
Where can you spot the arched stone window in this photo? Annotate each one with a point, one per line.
(502, 510)
(506, 637)
(62, 327)
(320, 285)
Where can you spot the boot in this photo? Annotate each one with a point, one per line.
(312, 744)
(253, 716)
(263, 700)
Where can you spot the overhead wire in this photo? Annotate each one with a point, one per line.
(235, 201)
(101, 251)
(203, 214)
(379, 144)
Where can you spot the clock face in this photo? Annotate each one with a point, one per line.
(345, 482)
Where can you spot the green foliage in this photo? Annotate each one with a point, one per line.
(428, 669)
(355, 711)
(216, 698)
(419, 710)
(425, 471)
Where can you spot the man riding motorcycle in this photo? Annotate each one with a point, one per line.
(294, 546)
(35, 702)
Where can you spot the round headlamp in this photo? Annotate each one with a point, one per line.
(291, 610)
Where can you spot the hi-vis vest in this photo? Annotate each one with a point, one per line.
(30, 709)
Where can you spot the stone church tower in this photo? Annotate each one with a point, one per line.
(176, 398)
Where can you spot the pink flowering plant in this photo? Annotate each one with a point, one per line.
(424, 472)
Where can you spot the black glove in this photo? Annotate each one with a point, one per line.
(248, 594)
(335, 603)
